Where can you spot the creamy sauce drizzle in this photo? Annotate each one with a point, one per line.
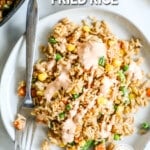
(62, 81)
(107, 83)
(105, 130)
(135, 70)
(69, 126)
(50, 65)
(81, 114)
(90, 52)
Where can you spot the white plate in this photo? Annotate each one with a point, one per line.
(14, 70)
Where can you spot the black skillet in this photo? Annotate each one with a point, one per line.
(8, 13)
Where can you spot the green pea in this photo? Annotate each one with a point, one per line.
(52, 40)
(125, 68)
(121, 76)
(62, 115)
(116, 137)
(145, 125)
(68, 107)
(124, 90)
(58, 57)
(75, 96)
(115, 107)
(87, 145)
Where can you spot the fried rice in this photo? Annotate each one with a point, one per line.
(88, 86)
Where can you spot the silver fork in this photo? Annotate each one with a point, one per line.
(24, 138)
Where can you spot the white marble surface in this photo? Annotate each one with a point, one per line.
(138, 11)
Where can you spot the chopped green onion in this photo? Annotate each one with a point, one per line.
(34, 79)
(121, 76)
(68, 107)
(103, 141)
(145, 126)
(58, 57)
(115, 107)
(124, 90)
(52, 125)
(72, 143)
(125, 68)
(75, 96)
(116, 137)
(52, 40)
(82, 90)
(87, 145)
(100, 141)
(62, 115)
(101, 61)
(127, 101)
(96, 142)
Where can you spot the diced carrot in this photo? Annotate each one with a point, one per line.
(22, 91)
(19, 124)
(148, 92)
(100, 147)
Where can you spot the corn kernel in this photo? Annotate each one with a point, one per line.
(102, 100)
(61, 145)
(111, 42)
(108, 67)
(42, 76)
(119, 117)
(86, 28)
(40, 93)
(73, 91)
(70, 47)
(120, 109)
(117, 63)
(127, 110)
(117, 101)
(82, 143)
(55, 94)
(131, 96)
(122, 52)
(135, 90)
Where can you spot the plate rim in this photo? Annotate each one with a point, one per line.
(42, 20)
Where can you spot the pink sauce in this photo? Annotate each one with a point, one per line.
(62, 81)
(81, 114)
(107, 83)
(69, 126)
(105, 130)
(135, 70)
(50, 65)
(51, 89)
(90, 52)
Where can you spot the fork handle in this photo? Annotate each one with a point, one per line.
(31, 25)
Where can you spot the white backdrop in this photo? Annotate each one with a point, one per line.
(138, 11)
